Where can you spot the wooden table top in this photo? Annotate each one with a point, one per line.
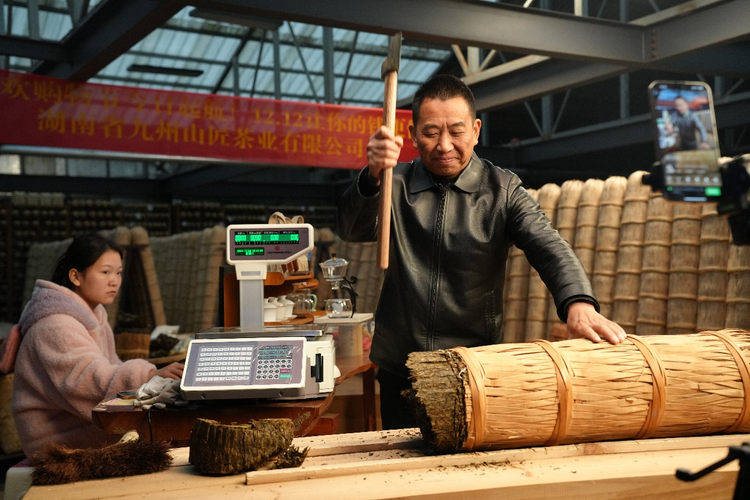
(118, 416)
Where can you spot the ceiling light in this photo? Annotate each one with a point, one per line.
(264, 23)
(147, 68)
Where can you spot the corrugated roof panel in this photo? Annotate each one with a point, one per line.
(53, 25)
(177, 45)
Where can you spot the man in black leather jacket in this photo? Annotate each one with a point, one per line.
(454, 216)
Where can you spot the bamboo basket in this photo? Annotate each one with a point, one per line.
(132, 345)
(683, 272)
(565, 223)
(516, 292)
(536, 308)
(630, 253)
(712, 270)
(654, 286)
(575, 391)
(738, 288)
(587, 222)
(607, 241)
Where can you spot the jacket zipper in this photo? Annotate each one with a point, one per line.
(435, 272)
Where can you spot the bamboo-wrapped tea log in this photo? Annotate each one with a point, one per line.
(230, 449)
(575, 391)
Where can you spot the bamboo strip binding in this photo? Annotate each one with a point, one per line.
(658, 386)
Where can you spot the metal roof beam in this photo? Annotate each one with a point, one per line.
(110, 30)
(538, 80)
(494, 26)
(721, 24)
(82, 185)
(39, 50)
(730, 112)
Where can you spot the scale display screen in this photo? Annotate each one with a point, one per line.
(268, 242)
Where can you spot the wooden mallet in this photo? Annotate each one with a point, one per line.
(389, 73)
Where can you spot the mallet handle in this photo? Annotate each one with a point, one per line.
(386, 176)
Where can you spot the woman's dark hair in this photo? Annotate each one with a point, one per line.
(82, 252)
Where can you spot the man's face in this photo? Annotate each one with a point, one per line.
(445, 135)
(681, 105)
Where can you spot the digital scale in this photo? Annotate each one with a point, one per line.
(254, 360)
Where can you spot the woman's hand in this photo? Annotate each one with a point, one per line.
(172, 370)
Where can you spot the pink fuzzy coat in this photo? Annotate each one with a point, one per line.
(66, 365)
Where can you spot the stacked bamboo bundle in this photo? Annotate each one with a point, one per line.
(712, 270)
(587, 222)
(654, 286)
(538, 298)
(630, 253)
(607, 241)
(565, 223)
(683, 273)
(516, 292)
(188, 271)
(738, 288)
(140, 239)
(542, 393)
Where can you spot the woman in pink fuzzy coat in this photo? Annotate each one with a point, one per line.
(66, 363)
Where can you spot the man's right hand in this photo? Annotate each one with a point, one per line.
(383, 150)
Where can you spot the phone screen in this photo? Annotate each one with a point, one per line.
(686, 139)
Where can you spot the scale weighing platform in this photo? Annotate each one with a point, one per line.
(254, 360)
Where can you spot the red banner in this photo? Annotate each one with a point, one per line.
(49, 112)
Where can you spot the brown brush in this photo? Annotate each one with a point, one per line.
(62, 465)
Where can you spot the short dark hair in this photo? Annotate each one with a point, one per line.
(443, 87)
(80, 255)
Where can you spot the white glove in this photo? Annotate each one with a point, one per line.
(158, 392)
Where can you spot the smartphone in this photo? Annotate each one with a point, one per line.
(686, 139)
(127, 394)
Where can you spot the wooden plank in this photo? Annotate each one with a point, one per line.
(407, 460)
(631, 476)
(628, 476)
(607, 470)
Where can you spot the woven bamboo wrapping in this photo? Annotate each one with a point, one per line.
(587, 221)
(516, 292)
(683, 263)
(542, 393)
(536, 308)
(188, 268)
(712, 270)
(738, 288)
(630, 253)
(654, 286)
(565, 223)
(140, 238)
(607, 241)
(162, 248)
(212, 256)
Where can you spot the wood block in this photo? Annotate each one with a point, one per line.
(328, 423)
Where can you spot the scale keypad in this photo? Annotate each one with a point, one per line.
(224, 364)
(274, 362)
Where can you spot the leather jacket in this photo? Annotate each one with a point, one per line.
(448, 250)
